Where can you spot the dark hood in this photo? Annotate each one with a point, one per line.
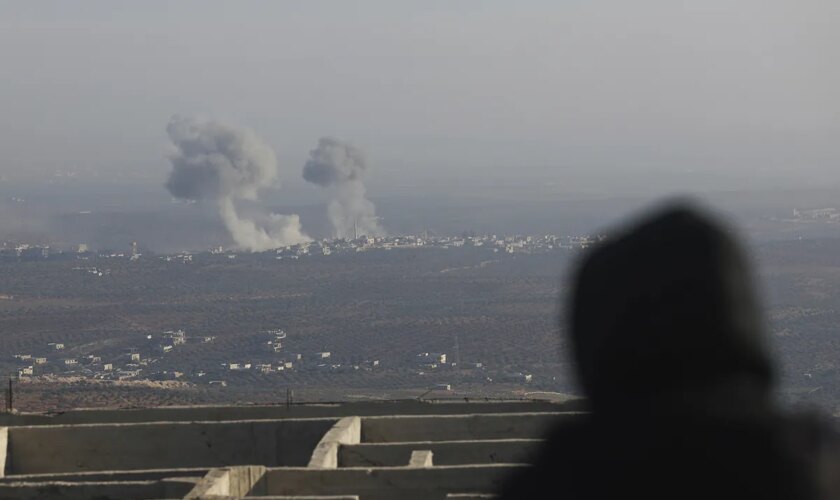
(666, 311)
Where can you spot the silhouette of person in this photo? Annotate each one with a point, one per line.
(667, 338)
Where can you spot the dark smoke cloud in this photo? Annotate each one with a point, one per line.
(219, 163)
(334, 162)
(340, 166)
(215, 161)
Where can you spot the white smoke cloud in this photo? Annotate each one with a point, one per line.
(218, 163)
(339, 167)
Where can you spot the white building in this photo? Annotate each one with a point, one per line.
(429, 358)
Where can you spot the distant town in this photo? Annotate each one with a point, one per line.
(456, 315)
(22, 251)
(142, 360)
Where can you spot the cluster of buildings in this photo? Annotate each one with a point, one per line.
(824, 214)
(143, 361)
(506, 244)
(21, 252)
(182, 257)
(315, 362)
(430, 362)
(95, 271)
(24, 252)
(27, 252)
(54, 359)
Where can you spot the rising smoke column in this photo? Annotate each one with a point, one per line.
(340, 167)
(218, 163)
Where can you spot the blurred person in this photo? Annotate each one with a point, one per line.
(668, 342)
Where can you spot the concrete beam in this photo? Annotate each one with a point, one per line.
(177, 487)
(420, 458)
(348, 430)
(305, 497)
(101, 447)
(275, 412)
(396, 429)
(87, 490)
(107, 476)
(4, 447)
(388, 482)
(235, 482)
(499, 451)
(215, 484)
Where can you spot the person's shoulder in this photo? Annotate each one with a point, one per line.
(809, 432)
(554, 462)
(813, 440)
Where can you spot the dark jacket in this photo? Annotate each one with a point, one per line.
(668, 344)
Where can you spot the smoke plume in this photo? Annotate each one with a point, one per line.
(340, 167)
(218, 163)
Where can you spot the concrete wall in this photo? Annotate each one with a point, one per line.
(227, 482)
(470, 496)
(307, 497)
(219, 457)
(348, 430)
(501, 451)
(223, 413)
(4, 442)
(50, 449)
(458, 427)
(104, 490)
(388, 483)
(237, 482)
(107, 476)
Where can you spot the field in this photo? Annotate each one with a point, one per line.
(495, 309)
(496, 316)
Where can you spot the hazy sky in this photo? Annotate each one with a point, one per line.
(559, 92)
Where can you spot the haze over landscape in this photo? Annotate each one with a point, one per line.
(247, 147)
(727, 91)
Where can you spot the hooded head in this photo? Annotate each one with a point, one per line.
(666, 311)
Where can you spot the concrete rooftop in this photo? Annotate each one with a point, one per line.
(370, 450)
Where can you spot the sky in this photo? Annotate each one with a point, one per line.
(577, 95)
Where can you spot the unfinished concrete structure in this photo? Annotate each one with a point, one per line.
(383, 450)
